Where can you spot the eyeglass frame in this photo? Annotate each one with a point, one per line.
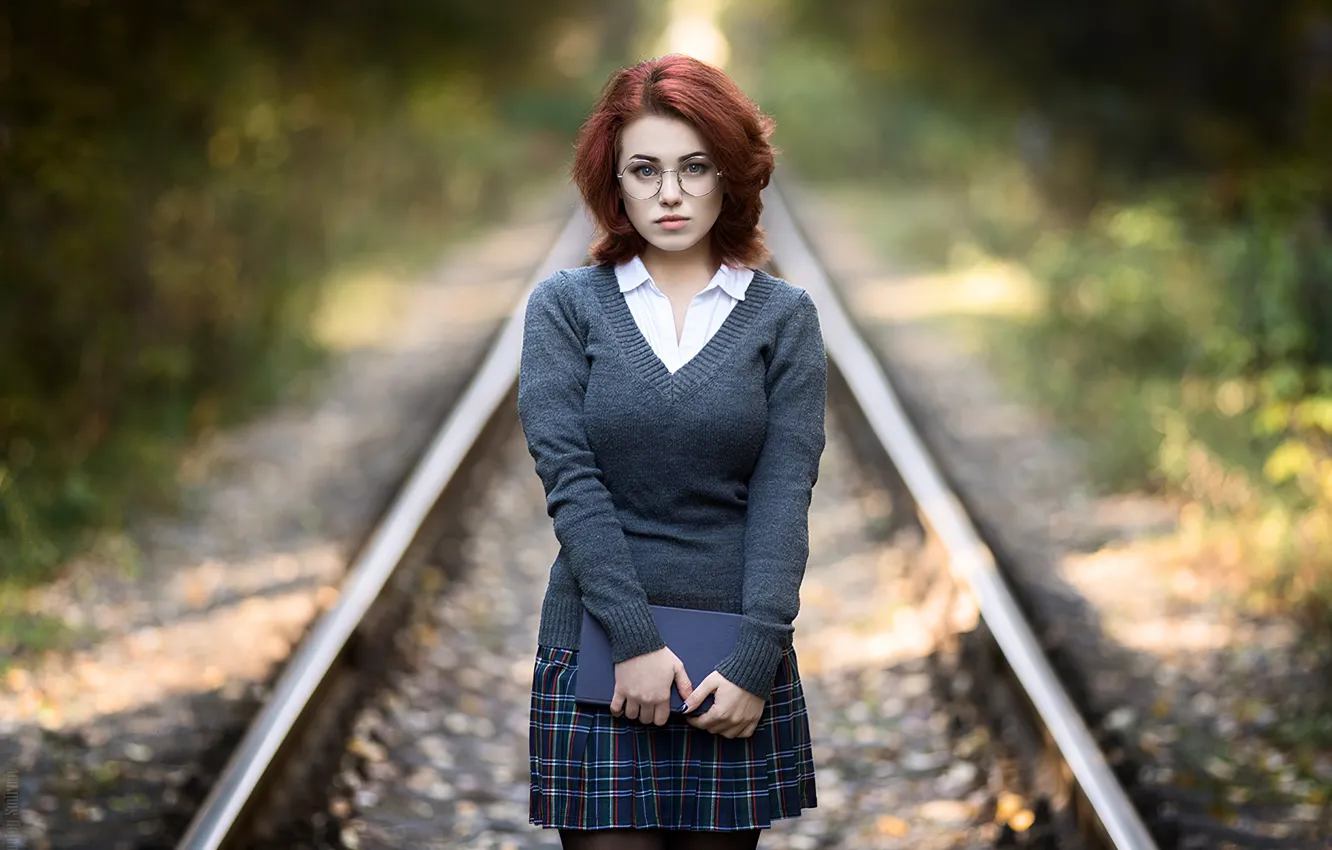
(679, 181)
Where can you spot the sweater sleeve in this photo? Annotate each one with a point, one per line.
(552, 380)
(780, 490)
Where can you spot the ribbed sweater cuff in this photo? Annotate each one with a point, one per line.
(631, 629)
(753, 663)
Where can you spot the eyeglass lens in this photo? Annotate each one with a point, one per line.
(642, 180)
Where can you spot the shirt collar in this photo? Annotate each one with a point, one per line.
(733, 281)
(632, 274)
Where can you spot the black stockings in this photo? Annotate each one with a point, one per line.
(651, 839)
(611, 839)
(679, 840)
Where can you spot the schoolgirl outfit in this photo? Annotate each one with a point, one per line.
(680, 475)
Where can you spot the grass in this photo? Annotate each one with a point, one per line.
(24, 633)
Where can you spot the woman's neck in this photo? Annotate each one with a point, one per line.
(690, 269)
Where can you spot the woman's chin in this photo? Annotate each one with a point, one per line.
(673, 242)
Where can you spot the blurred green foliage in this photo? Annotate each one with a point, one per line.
(1163, 173)
(180, 178)
(1125, 88)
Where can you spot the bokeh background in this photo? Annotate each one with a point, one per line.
(189, 186)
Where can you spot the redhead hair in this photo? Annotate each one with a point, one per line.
(737, 133)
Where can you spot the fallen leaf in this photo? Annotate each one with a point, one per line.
(1022, 820)
(890, 825)
(1007, 806)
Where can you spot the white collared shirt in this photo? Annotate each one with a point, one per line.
(652, 311)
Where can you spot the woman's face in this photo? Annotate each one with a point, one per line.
(672, 220)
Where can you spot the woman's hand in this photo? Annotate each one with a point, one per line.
(643, 686)
(735, 712)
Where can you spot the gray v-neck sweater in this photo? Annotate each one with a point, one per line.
(689, 489)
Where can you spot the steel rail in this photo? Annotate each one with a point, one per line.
(969, 556)
(216, 820)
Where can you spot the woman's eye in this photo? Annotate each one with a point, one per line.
(697, 168)
(645, 171)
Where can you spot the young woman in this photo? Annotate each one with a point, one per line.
(672, 396)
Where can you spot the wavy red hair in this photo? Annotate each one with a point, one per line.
(736, 130)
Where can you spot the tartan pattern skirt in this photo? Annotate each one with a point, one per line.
(592, 770)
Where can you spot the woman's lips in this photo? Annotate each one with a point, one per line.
(673, 223)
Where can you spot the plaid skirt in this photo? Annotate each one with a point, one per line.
(593, 770)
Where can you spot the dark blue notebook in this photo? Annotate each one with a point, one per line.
(700, 639)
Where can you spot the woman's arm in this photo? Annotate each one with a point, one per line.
(777, 523)
(552, 380)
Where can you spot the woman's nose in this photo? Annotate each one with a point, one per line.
(670, 189)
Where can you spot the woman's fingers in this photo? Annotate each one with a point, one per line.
(661, 714)
(735, 713)
(682, 683)
(643, 685)
(725, 730)
(697, 695)
(655, 713)
(713, 720)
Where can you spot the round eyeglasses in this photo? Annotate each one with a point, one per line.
(642, 180)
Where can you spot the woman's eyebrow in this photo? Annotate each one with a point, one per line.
(654, 159)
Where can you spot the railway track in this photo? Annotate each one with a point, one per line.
(401, 719)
